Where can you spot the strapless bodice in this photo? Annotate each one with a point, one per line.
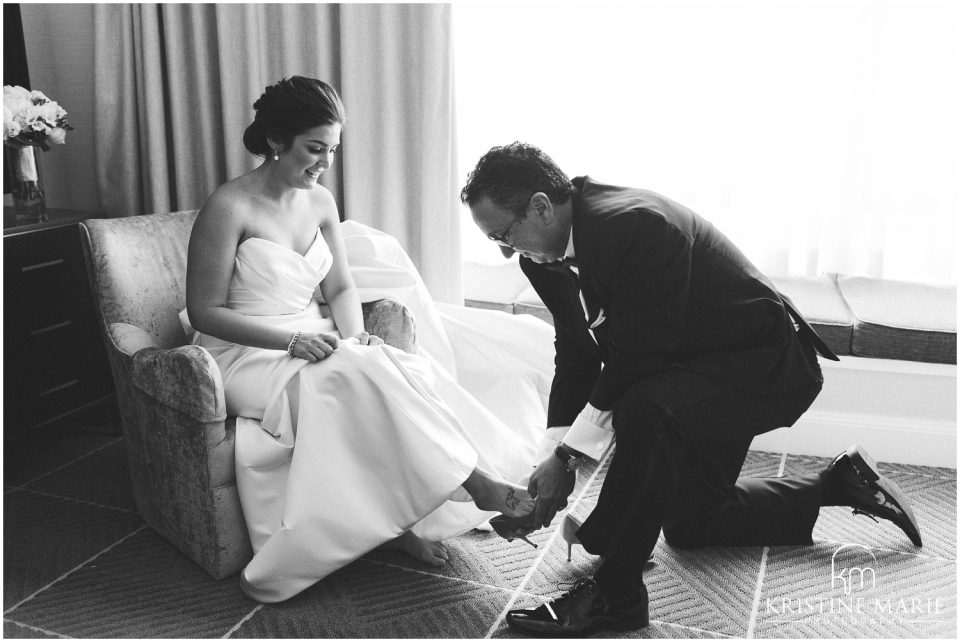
(270, 279)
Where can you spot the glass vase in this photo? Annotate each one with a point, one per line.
(28, 196)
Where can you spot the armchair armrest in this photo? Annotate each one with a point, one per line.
(391, 321)
(185, 379)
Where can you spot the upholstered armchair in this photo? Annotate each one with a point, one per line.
(179, 439)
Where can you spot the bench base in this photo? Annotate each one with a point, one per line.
(901, 411)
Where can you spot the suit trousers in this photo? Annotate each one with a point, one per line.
(681, 442)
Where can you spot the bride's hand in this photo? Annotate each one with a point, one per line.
(315, 346)
(367, 339)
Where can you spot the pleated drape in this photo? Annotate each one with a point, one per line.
(175, 85)
(412, 190)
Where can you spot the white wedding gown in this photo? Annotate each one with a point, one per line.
(337, 457)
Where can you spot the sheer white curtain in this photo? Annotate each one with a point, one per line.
(175, 84)
(820, 137)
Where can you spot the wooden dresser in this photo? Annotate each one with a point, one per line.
(54, 363)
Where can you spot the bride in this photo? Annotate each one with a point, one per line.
(344, 444)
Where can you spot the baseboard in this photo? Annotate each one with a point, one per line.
(826, 434)
(901, 411)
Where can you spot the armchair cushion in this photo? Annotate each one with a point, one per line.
(130, 339)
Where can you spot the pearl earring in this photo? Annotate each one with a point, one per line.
(276, 155)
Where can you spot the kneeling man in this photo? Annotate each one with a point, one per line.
(670, 339)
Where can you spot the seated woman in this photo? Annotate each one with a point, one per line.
(343, 443)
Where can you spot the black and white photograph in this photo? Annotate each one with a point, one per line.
(481, 319)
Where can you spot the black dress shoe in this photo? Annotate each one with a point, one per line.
(582, 610)
(856, 482)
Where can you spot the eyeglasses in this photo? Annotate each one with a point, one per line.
(503, 238)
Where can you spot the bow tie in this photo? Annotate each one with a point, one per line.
(568, 261)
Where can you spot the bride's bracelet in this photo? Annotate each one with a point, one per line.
(293, 343)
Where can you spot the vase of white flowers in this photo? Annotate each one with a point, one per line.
(30, 120)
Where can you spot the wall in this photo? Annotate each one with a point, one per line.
(68, 170)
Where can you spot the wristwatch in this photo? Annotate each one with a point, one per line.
(572, 461)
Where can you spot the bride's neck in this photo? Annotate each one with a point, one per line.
(271, 187)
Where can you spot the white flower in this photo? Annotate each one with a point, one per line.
(10, 126)
(15, 92)
(17, 105)
(57, 135)
(48, 111)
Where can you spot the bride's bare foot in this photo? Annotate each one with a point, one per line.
(489, 493)
(432, 553)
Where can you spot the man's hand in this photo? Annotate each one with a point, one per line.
(551, 483)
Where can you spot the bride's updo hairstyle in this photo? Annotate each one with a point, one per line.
(291, 107)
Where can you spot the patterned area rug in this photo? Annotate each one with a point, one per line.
(78, 562)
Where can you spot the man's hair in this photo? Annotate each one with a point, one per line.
(511, 174)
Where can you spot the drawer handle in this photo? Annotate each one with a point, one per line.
(59, 388)
(37, 266)
(50, 328)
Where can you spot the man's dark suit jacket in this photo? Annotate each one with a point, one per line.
(675, 293)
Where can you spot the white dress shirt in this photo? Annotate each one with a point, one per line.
(592, 431)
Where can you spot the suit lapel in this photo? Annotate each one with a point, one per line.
(560, 290)
(586, 262)
(580, 316)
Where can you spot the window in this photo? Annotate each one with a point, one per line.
(820, 137)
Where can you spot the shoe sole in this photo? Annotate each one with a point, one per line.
(866, 467)
(632, 622)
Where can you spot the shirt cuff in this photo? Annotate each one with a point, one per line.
(591, 432)
(549, 441)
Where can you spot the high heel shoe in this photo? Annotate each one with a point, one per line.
(507, 527)
(568, 531)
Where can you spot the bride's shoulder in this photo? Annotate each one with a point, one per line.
(239, 194)
(229, 204)
(233, 192)
(324, 204)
